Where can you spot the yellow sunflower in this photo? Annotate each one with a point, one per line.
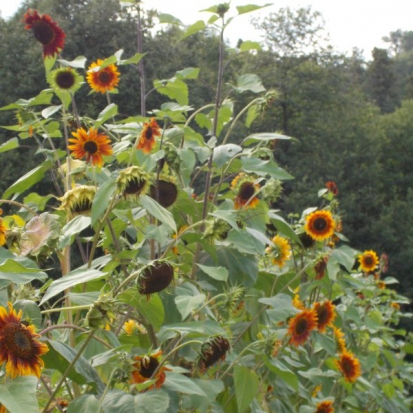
(3, 231)
(19, 348)
(325, 407)
(145, 367)
(368, 261)
(102, 79)
(131, 327)
(301, 325)
(349, 366)
(325, 314)
(320, 225)
(340, 340)
(245, 191)
(90, 144)
(282, 251)
(147, 137)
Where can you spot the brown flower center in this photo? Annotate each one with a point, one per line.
(65, 80)
(246, 191)
(148, 365)
(320, 224)
(149, 133)
(134, 186)
(155, 278)
(322, 314)
(164, 192)
(368, 260)
(43, 32)
(104, 77)
(301, 326)
(91, 147)
(347, 367)
(18, 340)
(82, 205)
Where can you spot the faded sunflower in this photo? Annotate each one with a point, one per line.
(325, 314)
(349, 366)
(133, 182)
(155, 277)
(320, 225)
(281, 252)
(65, 80)
(145, 367)
(90, 144)
(46, 31)
(339, 339)
(19, 347)
(245, 191)
(164, 192)
(325, 407)
(147, 137)
(102, 79)
(78, 201)
(368, 261)
(212, 351)
(332, 187)
(301, 325)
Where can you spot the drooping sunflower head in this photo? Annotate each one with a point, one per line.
(332, 187)
(155, 277)
(349, 365)
(146, 366)
(147, 137)
(133, 182)
(102, 79)
(320, 225)
(325, 406)
(212, 351)
(90, 145)
(320, 267)
(325, 314)
(301, 325)
(272, 190)
(78, 201)
(164, 192)
(65, 80)
(245, 189)
(368, 261)
(281, 252)
(46, 31)
(19, 347)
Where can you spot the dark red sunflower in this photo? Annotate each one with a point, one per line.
(325, 314)
(19, 347)
(349, 366)
(325, 407)
(145, 367)
(213, 351)
(147, 137)
(332, 187)
(46, 31)
(301, 325)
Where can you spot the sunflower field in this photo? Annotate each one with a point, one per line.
(159, 274)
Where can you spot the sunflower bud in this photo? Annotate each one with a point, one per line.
(222, 9)
(272, 190)
(155, 277)
(212, 351)
(78, 201)
(101, 311)
(216, 229)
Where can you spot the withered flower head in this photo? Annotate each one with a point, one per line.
(332, 187)
(100, 312)
(78, 201)
(155, 277)
(216, 229)
(212, 351)
(164, 192)
(133, 182)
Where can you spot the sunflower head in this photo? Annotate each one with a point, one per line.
(339, 339)
(245, 189)
(281, 252)
(78, 201)
(320, 267)
(272, 190)
(148, 367)
(320, 225)
(212, 351)
(103, 79)
(332, 187)
(216, 229)
(368, 261)
(325, 314)
(46, 31)
(19, 347)
(349, 365)
(147, 137)
(91, 145)
(325, 406)
(301, 325)
(164, 192)
(132, 327)
(101, 312)
(65, 80)
(155, 277)
(133, 182)
(3, 233)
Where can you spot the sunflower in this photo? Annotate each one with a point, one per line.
(339, 339)
(164, 192)
(320, 225)
(395, 306)
(325, 407)
(78, 201)
(325, 314)
(297, 303)
(90, 144)
(65, 80)
(332, 187)
(145, 367)
(212, 351)
(301, 325)
(368, 261)
(147, 137)
(320, 267)
(245, 191)
(46, 31)
(132, 327)
(155, 277)
(133, 182)
(3, 232)
(349, 366)
(282, 251)
(19, 348)
(102, 79)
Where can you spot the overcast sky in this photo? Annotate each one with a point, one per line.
(350, 23)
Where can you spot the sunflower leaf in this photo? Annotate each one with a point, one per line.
(153, 208)
(109, 112)
(151, 402)
(101, 199)
(246, 384)
(19, 395)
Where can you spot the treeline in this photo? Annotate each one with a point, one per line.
(351, 119)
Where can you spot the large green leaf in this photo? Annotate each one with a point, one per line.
(248, 8)
(31, 311)
(246, 384)
(109, 112)
(282, 307)
(76, 277)
(174, 88)
(19, 395)
(9, 145)
(249, 82)
(156, 401)
(283, 227)
(194, 28)
(158, 211)
(101, 199)
(263, 168)
(217, 273)
(72, 228)
(188, 303)
(223, 153)
(182, 384)
(264, 137)
(88, 403)
(283, 372)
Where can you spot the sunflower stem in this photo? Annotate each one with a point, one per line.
(69, 368)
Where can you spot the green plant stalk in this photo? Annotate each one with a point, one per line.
(69, 368)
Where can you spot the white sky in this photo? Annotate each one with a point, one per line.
(350, 23)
